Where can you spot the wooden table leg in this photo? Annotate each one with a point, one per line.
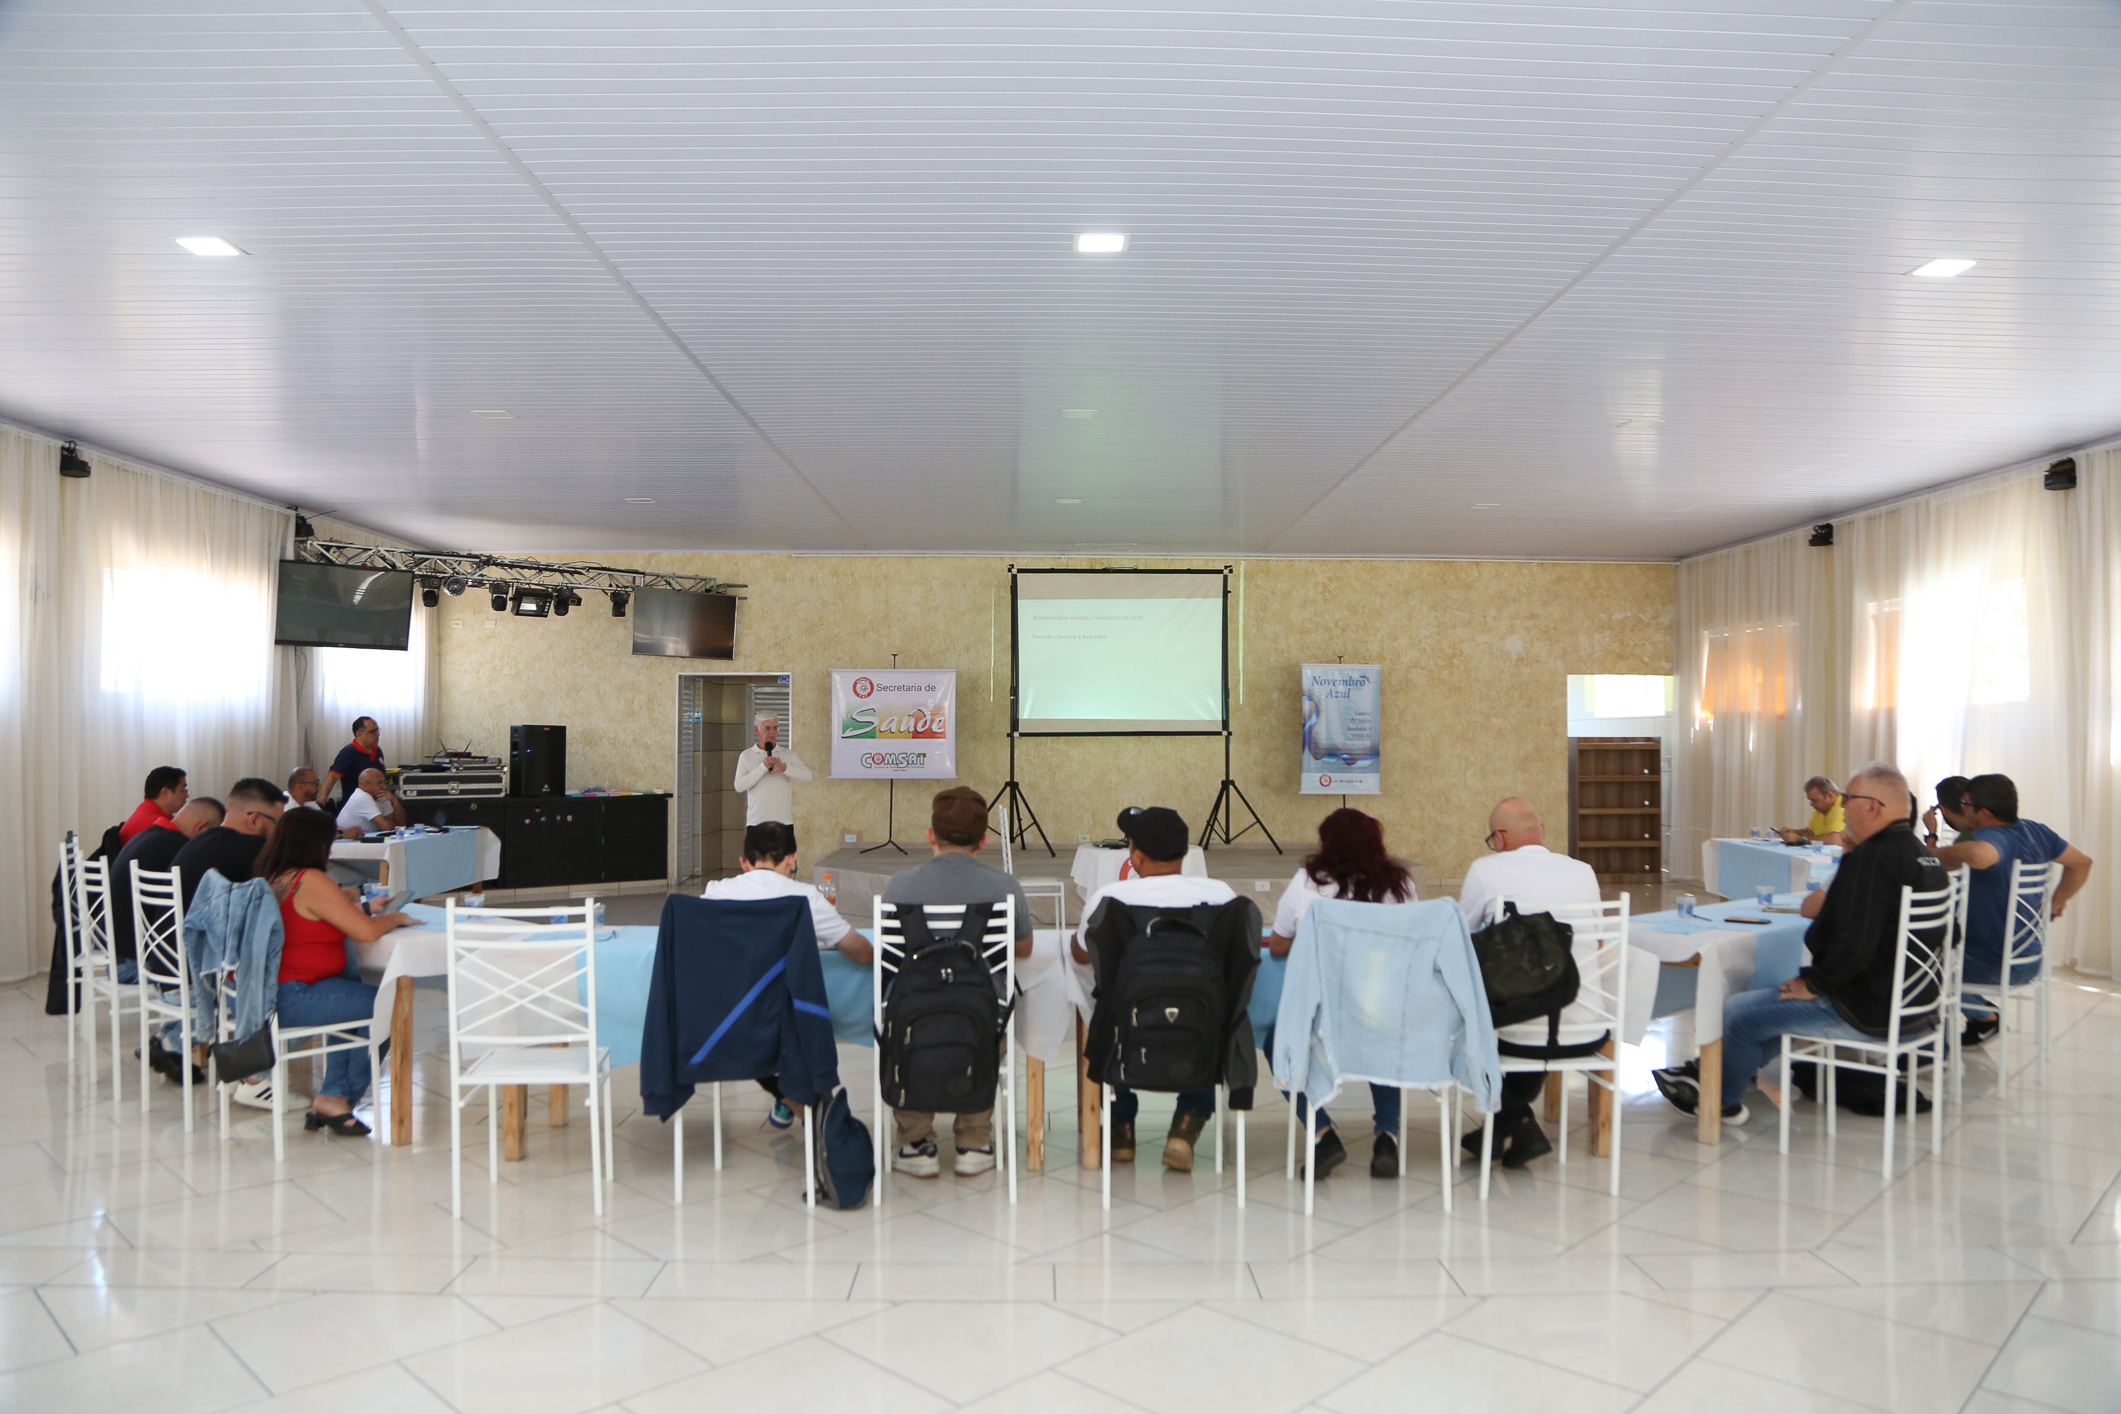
(401, 1063)
(1035, 1115)
(1709, 1118)
(1603, 1103)
(556, 1106)
(1553, 1096)
(515, 1099)
(1089, 1102)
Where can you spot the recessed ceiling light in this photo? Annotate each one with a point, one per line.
(1942, 269)
(208, 245)
(1067, 500)
(1487, 505)
(494, 414)
(1078, 412)
(1100, 243)
(640, 500)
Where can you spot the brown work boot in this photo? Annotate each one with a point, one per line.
(1123, 1143)
(1178, 1147)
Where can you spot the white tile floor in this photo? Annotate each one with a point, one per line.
(140, 1270)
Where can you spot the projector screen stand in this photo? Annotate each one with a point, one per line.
(1223, 813)
(1022, 818)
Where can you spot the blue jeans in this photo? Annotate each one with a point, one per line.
(1754, 1024)
(1384, 1099)
(1989, 969)
(341, 998)
(1198, 1103)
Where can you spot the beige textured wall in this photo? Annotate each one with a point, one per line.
(1476, 656)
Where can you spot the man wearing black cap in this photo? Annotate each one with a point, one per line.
(1156, 855)
(957, 827)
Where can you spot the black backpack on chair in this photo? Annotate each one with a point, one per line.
(940, 1047)
(1169, 1005)
(1526, 967)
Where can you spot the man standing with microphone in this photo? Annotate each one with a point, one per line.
(766, 774)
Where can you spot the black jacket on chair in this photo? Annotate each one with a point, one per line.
(737, 994)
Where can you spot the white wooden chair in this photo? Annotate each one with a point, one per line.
(95, 964)
(1446, 1125)
(2029, 912)
(523, 1011)
(1954, 969)
(1918, 1023)
(998, 950)
(158, 944)
(1603, 998)
(308, 1043)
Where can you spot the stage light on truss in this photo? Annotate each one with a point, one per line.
(618, 603)
(533, 602)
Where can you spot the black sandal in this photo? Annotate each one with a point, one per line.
(346, 1126)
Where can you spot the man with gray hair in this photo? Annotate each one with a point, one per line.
(1847, 992)
(766, 773)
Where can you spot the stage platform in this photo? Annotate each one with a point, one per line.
(1253, 869)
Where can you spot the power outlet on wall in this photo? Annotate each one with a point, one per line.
(849, 838)
(1265, 886)
(1082, 839)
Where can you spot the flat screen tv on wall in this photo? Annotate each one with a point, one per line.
(668, 623)
(332, 606)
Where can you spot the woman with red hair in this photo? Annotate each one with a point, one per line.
(1351, 863)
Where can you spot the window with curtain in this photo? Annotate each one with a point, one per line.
(1748, 672)
(395, 688)
(208, 656)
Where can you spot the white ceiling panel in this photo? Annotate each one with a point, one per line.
(1634, 274)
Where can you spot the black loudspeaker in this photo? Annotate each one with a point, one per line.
(2062, 476)
(537, 760)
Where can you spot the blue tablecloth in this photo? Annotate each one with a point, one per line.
(1776, 959)
(437, 863)
(1744, 865)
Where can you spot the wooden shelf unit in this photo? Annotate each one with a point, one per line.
(1616, 805)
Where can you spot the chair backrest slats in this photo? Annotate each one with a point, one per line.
(521, 977)
(1923, 953)
(158, 925)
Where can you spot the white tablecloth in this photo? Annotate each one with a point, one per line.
(1095, 868)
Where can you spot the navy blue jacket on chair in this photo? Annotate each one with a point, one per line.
(737, 994)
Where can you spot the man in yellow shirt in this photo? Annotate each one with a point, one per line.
(1826, 825)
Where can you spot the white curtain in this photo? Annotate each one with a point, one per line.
(1755, 702)
(138, 633)
(2090, 536)
(30, 775)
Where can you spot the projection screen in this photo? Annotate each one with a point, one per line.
(1119, 652)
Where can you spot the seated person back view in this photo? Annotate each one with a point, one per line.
(155, 847)
(1351, 863)
(1847, 991)
(767, 870)
(2000, 838)
(230, 849)
(957, 828)
(1523, 871)
(1156, 848)
(1828, 825)
(370, 807)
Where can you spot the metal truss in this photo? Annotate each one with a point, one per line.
(491, 571)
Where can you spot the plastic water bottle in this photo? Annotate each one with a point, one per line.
(1685, 903)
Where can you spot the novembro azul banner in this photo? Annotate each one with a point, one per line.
(1343, 729)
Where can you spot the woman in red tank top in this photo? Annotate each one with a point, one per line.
(320, 982)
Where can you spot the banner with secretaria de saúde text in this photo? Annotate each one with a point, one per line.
(1343, 729)
(894, 723)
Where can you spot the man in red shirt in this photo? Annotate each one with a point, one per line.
(163, 796)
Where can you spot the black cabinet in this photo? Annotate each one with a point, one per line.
(565, 840)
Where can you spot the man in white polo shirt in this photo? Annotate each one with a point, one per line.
(1524, 871)
(768, 871)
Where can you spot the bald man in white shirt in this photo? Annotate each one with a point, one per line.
(1524, 871)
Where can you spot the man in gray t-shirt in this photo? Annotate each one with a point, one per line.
(957, 828)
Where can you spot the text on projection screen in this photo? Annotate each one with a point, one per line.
(1119, 653)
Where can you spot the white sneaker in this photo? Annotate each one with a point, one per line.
(255, 1092)
(917, 1160)
(972, 1161)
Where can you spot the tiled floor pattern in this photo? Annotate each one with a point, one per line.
(143, 1271)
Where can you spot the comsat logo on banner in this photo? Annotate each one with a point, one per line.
(895, 760)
